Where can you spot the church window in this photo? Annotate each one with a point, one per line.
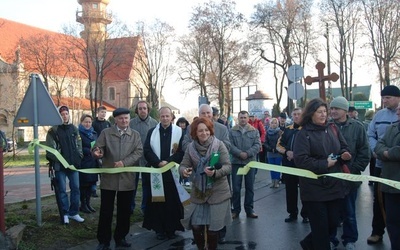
(111, 94)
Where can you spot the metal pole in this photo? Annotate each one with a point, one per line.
(37, 164)
(2, 216)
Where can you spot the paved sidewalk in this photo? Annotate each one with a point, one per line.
(19, 184)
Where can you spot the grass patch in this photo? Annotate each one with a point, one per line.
(53, 235)
(22, 160)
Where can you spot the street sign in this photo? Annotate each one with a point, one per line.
(37, 96)
(295, 73)
(361, 104)
(295, 91)
(37, 109)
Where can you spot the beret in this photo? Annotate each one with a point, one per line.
(121, 111)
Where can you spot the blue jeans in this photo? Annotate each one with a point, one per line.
(275, 161)
(392, 218)
(237, 186)
(73, 177)
(350, 231)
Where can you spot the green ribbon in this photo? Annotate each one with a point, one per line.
(61, 159)
(309, 174)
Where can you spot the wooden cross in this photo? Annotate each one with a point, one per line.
(321, 79)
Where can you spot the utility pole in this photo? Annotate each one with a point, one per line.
(328, 62)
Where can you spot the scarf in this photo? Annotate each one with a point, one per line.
(157, 187)
(202, 154)
(273, 131)
(87, 132)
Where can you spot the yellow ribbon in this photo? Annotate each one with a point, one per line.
(61, 159)
(309, 174)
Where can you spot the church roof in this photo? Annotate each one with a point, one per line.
(119, 59)
(79, 103)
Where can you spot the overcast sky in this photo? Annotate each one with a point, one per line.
(52, 14)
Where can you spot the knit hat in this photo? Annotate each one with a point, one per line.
(283, 115)
(63, 108)
(390, 90)
(340, 102)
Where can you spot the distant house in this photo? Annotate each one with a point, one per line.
(67, 81)
(364, 90)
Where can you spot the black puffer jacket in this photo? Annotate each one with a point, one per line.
(312, 146)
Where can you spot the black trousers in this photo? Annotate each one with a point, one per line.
(324, 219)
(378, 222)
(124, 199)
(292, 195)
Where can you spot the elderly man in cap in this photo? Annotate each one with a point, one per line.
(118, 146)
(376, 130)
(356, 137)
(65, 138)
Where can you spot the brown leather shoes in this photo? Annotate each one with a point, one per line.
(252, 215)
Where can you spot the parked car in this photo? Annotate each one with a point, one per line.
(11, 145)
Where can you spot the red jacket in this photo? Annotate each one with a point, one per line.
(257, 123)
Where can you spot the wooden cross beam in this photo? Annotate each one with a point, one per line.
(321, 79)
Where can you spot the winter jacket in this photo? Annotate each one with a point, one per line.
(354, 133)
(285, 143)
(312, 146)
(220, 190)
(390, 166)
(66, 139)
(99, 125)
(245, 139)
(257, 123)
(143, 127)
(126, 148)
(378, 125)
(271, 141)
(88, 161)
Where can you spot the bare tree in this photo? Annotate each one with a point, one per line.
(345, 17)
(153, 58)
(99, 55)
(43, 54)
(193, 56)
(282, 35)
(383, 22)
(226, 58)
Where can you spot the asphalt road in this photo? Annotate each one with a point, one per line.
(269, 231)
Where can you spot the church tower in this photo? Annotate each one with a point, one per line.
(94, 18)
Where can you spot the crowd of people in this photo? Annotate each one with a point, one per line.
(322, 138)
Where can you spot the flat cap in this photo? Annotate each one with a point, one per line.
(121, 111)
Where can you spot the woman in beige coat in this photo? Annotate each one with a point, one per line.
(209, 210)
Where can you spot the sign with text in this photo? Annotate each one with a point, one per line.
(361, 104)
